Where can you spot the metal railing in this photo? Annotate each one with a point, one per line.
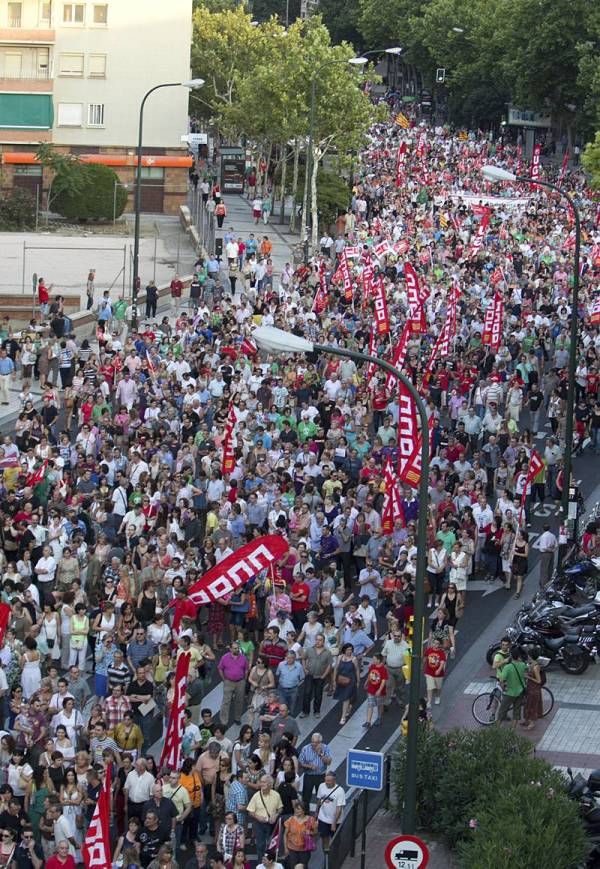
(26, 75)
(343, 843)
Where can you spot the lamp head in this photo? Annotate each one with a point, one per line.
(395, 49)
(358, 61)
(193, 83)
(495, 173)
(278, 341)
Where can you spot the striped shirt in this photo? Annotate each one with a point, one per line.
(315, 761)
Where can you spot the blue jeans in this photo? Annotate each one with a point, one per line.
(289, 696)
(262, 837)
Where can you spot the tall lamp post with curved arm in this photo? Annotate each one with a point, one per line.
(352, 61)
(496, 173)
(193, 84)
(280, 342)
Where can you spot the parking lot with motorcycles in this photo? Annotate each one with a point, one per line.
(569, 736)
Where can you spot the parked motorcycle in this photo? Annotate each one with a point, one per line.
(565, 651)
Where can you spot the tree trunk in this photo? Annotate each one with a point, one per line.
(284, 159)
(314, 212)
(303, 233)
(295, 184)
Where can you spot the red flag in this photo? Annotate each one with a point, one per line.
(228, 461)
(38, 475)
(535, 162)
(170, 757)
(320, 301)
(415, 300)
(4, 620)
(96, 848)
(399, 354)
(248, 347)
(492, 327)
(344, 270)
(412, 469)
(563, 168)
(392, 504)
(150, 362)
(380, 309)
(479, 237)
(232, 572)
(274, 840)
(536, 463)
(408, 435)
(440, 349)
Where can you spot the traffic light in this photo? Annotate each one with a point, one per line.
(440, 75)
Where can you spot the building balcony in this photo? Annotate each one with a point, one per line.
(26, 83)
(27, 36)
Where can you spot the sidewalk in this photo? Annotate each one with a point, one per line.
(239, 216)
(569, 735)
(383, 827)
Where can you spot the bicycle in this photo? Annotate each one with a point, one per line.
(485, 706)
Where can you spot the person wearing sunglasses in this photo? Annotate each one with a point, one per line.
(28, 855)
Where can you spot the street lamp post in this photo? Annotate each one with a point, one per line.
(495, 173)
(192, 85)
(353, 61)
(278, 341)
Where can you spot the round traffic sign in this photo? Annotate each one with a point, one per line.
(406, 852)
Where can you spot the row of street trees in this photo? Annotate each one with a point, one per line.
(258, 87)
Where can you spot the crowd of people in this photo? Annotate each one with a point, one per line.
(113, 503)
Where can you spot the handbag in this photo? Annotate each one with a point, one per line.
(309, 842)
(342, 680)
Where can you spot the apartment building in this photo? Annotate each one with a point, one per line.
(74, 73)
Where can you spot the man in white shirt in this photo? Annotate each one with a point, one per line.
(134, 517)
(138, 788)
(331, 800)
(46, 569)
(547, 544)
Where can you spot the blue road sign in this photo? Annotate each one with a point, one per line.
(364, 769)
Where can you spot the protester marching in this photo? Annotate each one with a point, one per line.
(206, 548)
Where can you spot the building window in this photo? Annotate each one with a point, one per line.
(96, 115)
(97, 67)
(14, 14)
(45, 13)
(101, 13)
(73, 13)
(152, 173)
(70, 115)
(71, 65)
(35, 171)
(13, 64)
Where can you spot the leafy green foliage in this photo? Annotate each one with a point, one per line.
(591, 160)
(488, 797)
(542, 55)
(17, 210)
(94, 199)
(332, 195)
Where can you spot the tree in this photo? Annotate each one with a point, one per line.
(492, 801)
(67, 177)
(17, 210)
(99, 195)
(591, 160)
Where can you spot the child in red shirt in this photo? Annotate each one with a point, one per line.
(375, 686)
(435, 665)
